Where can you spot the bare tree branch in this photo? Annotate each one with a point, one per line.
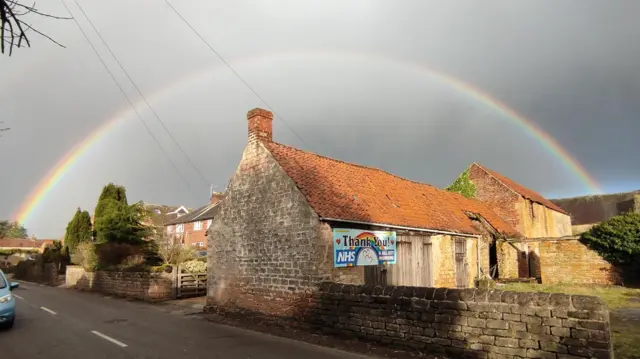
(33, 9)
(13, 29)
(3, 129)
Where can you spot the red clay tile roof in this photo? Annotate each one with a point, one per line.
(20, 243)
(523, 191)
(345, 191)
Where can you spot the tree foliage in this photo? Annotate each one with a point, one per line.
(616, 240)
(78, 230)
(12, 230)
(110, 192)
(13, 27)
(463, 185)
(121, 223)
(85, 256)
(56, 254)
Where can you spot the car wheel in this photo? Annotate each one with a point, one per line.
(9, 325)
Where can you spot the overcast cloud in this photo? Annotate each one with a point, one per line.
(349, 77)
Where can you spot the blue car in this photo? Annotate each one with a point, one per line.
(7, 302)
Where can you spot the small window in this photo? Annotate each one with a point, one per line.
(180, 228)
(208, 223)
(197, 226)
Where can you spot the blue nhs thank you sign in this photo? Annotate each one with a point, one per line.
(354, 247)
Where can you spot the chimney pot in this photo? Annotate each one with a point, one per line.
(260, 125)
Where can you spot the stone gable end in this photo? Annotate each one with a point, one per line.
(498, 196)
(266, 246)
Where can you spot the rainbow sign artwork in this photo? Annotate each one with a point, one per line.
(354, 247)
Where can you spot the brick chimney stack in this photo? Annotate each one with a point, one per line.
(216, 197)
(260, 125)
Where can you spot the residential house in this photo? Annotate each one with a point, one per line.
(191, 228)
(13, 250)
(587, 211)
(21, 244)
(160, 214)
(280, 228)
(528, 212)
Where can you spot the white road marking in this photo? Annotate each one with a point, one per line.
(17, 296)
(109, 339)
(48, 310)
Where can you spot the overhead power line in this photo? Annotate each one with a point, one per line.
(155, 114)
(235, 72)
(125, 95)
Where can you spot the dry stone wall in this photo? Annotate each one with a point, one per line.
(136, 285)
(471, 323)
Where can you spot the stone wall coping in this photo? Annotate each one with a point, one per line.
(537, 299)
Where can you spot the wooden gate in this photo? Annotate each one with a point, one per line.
(192, 285)
(461, 262)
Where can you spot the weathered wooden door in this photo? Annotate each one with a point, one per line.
(414, 262)
(427, 265)
(402, 273)
(461, 262)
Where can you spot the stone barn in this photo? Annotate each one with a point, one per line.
(292, 219)
(531, 214)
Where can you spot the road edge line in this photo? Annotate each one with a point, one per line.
(108, 338)
(48, 310)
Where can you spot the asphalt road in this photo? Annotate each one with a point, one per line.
(57, 323)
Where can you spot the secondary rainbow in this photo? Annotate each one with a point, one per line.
(66, 163)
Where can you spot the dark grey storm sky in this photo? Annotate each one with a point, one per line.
(348, 77)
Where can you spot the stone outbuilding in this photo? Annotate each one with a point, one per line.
(531, 214)
(272, 241)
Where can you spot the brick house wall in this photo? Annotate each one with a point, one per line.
(189, 235)
(194, 237)
(569, 260)
(268, 263)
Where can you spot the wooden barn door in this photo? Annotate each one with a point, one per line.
(414, 262)
(427, 266)
(461, 262)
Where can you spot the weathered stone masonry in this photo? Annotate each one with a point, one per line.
(267, 248)
(570, 260)
(143, 286)
(469, 322)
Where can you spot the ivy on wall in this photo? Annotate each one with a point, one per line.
(463, 185)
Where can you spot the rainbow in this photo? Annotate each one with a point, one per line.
(66, 163)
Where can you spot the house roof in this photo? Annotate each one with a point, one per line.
(521, 190)
(160, 214)
(205, 212)
(20, 243)
(344, 191)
